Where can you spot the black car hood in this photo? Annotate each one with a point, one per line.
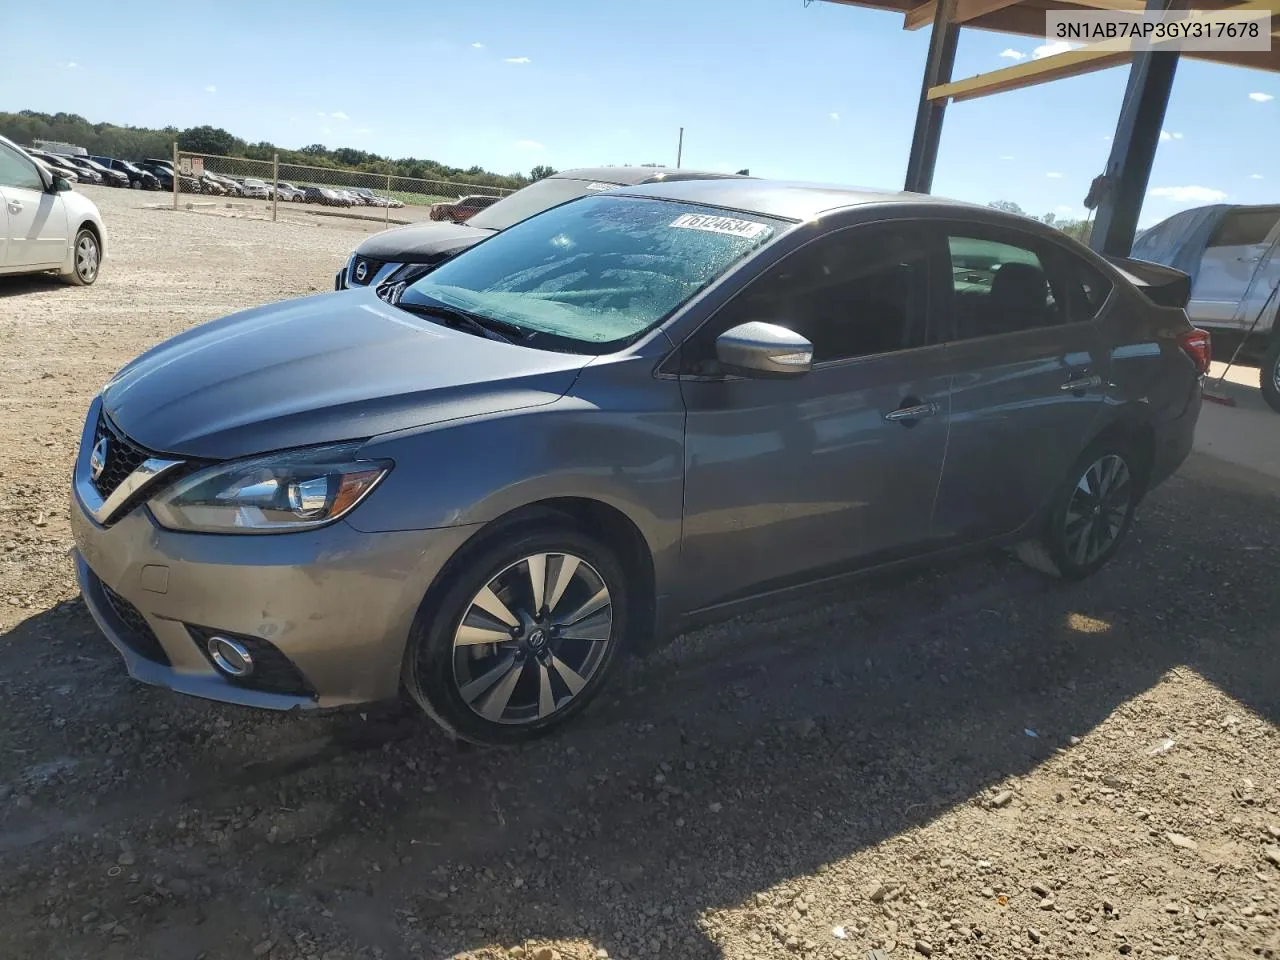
(337, 366)
(421, 242)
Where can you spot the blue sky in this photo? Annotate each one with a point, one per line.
(824, 92)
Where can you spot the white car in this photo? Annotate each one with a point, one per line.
(44, 224)
(255, 188)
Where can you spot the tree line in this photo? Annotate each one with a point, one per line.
(135, 143)
(1077, 229)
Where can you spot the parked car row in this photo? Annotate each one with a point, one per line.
(347, 197)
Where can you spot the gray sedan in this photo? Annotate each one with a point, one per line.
(627, 413)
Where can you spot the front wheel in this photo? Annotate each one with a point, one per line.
(1269, 378)
(87, 256)
(1091, 514)
(521, 636)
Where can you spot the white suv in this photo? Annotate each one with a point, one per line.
(44, 224)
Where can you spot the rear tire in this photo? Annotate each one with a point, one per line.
(1269, 377)
(1091, 513)
(519, 635)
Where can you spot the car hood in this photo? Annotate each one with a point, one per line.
(321, 369)
(421, 242)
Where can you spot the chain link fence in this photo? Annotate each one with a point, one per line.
(355, 192)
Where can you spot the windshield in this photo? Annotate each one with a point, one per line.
(594, 274)
(538, 196)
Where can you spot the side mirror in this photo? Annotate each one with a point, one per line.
(61, 184)
(759, 349)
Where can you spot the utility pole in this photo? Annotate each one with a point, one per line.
(680, 148)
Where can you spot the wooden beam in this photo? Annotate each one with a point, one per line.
(966, 10)
(1095, 56)
(1069, 64)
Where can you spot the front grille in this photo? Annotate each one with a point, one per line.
(123, 456)
(273, 672)
(371, 270)
(132, 627)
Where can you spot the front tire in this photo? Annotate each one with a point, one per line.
(520, 635)
(1091, 514)
(1269, 377)
(86, 259)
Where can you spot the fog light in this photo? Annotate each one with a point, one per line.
(230, 657)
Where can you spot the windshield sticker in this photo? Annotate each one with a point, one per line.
(601, 186)
(747, 229)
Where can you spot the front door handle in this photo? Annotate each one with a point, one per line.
(1080, 384)
(15, 206)
(909, 415)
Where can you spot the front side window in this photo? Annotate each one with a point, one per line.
(596, 273)
(17, 171)
(999, 288)
(856, 293)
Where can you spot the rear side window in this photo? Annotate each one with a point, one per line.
(1086, 288)
(1245, 227)
(1000, 287)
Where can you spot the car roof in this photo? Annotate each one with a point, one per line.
(630, 176)
(792, 200)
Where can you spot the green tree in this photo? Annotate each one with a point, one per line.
(541, 171)
(208, 139)
(1008, 206)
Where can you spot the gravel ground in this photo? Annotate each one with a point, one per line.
(966, 761)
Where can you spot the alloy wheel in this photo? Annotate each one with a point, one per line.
(532, 638)
(1098, 508)
(87, 258)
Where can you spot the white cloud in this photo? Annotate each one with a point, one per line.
(1051, 49)
(326, 131)
(833, 115)
(1011, 54)
(528, 145)
(1166, 136)
(339, 115)
(478, 46)
(211, 89)
(1106, 137)
(518, 60)
(1053, 175)
(1189, 194)
(362, 131)
(321, 114)
(1259, 97)
(72, 65)
(1255, 176)
(1008, 156)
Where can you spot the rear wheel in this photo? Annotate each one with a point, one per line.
(1091, 514)
(521, 638)
(1269, 378)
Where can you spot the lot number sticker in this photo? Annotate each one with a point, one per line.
(747, 229)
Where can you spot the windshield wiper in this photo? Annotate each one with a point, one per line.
(461, 319)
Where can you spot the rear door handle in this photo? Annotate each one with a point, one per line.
(1076, 384)
(911, 414)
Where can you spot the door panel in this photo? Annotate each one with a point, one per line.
(785, 478)
(790, 479)
(1029, 377)
(1230, 259)
(37, 227)
(1016, 424)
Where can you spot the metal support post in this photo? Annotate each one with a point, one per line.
(929, 113)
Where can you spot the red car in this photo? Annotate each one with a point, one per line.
(463, 209)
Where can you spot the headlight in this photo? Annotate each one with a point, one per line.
(278, 493)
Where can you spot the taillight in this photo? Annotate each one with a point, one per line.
(1198, 345)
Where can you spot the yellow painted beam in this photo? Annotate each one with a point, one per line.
(1087, 59)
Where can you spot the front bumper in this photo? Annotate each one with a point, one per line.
(330, 609)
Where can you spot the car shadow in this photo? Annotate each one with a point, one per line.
(742, 757)
(18, 284)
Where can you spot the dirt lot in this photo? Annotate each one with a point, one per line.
(965, 762)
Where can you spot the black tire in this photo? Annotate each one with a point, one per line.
(433, 662)
(1056, 551)
(86, 259)
(1269, 377)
